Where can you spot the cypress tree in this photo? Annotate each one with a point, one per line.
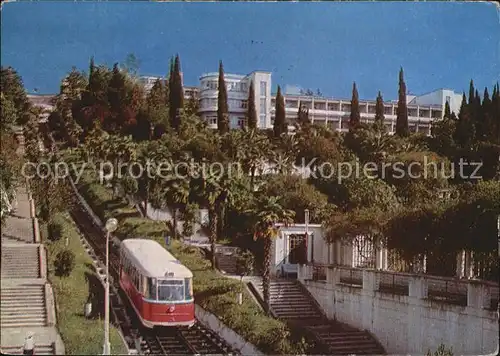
(379, 113)
(464, 131)
(280, 126)
(303, 116)
(471, 92)
(117, 95)
(251, 112)
(447, 111)
(91, 73)
(222, 109)
(495, 113)
(176, 94)
(355, 118)
(402, 129)
(486, 124)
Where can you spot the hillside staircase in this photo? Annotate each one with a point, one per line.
(292, 303)
(21, 261)
(23, 306)
(226, 263)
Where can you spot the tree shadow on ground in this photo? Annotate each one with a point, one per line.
(95, 294)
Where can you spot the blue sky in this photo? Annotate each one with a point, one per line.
(314, 45)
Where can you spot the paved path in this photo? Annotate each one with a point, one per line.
(27, 303)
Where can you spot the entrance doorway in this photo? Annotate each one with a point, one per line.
(297, 247)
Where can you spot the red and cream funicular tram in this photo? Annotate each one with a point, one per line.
(158, 286)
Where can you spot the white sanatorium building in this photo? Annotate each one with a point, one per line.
(332, 112)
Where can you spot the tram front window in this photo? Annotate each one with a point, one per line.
(170, 290)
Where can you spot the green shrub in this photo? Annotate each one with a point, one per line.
(64, 263)
(55, 231)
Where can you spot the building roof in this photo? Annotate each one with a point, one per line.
(152, 259)
(41, 99)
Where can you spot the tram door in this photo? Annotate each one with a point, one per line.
(297, 249)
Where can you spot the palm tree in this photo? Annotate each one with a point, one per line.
(176, 193)
(270, 212)
(214, 192)
(152, 155)
(256, 148)
(123, 150)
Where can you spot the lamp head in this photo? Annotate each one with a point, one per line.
(111, 224)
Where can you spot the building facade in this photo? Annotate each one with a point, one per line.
(238, 87)
(331, 112)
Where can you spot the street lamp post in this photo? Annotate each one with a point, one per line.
(111, 225)
(306, 220)
(498, 229)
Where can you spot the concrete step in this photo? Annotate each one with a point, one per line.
(20, 261)
(39, 350)
(23, 306)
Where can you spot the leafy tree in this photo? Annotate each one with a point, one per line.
(51, 194)
(192, 106)
(251, 112)
(355, 118)
(176, 94)
(222, 109)
(12, 88)
(443, 130)
(419, 176)
(368, 222)
(297, 195)
(270, 212)
(94, 103)
(402, 129)
(280, 125)
(8, 114)
(316, 146)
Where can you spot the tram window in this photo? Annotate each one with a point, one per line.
(170, 290)
(188, 288)
(139, 282)
(152, 288)
(144, 285)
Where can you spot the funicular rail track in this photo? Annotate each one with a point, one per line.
(159, 340)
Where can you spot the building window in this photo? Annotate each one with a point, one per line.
(244, 104)
(244, 87)
(263, 88)
(263, 105)
(212, 120)
(262, 121)
(241, 122)
(212, 85)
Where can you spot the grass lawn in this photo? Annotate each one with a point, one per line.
(81, 336)
(213, 292)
